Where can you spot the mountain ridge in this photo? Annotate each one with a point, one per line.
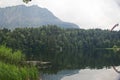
(30, 16)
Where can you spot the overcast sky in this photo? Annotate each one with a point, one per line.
(85, 13)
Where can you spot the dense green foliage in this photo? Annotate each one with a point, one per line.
(7, 56)
(11, 69)
(69, 48)
(26, 1)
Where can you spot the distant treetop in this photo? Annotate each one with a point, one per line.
(26, 1)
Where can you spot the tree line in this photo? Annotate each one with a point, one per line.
(68, 48)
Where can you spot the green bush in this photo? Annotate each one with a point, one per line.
(8, 56)
(10, 68)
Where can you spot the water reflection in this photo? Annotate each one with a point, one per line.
(59, 75)
(86, 74)
(95, 60)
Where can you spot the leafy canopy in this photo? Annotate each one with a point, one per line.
(26, 1)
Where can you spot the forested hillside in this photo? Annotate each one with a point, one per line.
(70, 48)
(30, 16)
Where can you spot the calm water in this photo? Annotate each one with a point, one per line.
(86, 74)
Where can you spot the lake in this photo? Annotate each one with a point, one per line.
(94, 59)
(85, 74)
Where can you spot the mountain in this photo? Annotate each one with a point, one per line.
(32, 16)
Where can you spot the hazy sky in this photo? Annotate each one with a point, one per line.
(85, 13)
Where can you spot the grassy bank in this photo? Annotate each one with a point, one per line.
(11, 67)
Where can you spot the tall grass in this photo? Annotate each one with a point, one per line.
(10, 68)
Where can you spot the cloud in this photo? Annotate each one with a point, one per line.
(86, 13)
(4, 3)
(118, 2)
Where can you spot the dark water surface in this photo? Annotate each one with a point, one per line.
(94, 59)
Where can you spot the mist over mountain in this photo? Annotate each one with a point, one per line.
(30, 16)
